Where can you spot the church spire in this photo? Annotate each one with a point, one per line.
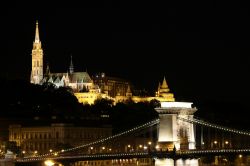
(164, 84)
(47, 70)
(71, 67)
(128, 92)
(37, 38)
(37, 59)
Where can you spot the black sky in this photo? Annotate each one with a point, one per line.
(201, 47)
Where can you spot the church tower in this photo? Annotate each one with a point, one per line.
(37, 59)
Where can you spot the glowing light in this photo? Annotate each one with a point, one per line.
(226, 142)
(35, 152)
(129, 146)
(140, 146)
(215, 142)
(149, 142)
(176, 105)
(103, 147)
(50, 150)
(49, 163)
(157, 147)
(23, 152)
(91, 147)
(240, 156)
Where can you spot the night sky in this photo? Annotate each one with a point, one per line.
(201, 47)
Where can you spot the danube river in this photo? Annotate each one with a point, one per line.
(234, 160)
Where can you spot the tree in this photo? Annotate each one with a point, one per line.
(155, 103)
(12, 146)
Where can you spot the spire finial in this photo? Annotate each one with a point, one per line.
(47, 70)
(37, 38)
(71, 67)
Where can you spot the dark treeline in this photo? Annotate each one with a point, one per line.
(29, 104)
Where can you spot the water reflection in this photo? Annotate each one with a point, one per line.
(237, 160)
(179, 162)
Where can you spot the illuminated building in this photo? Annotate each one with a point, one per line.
(86, 89)
(45, 138)
(78, 81)
(112, 86)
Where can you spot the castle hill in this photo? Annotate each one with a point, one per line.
(102, 86)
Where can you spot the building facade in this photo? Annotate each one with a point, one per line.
(44, 139)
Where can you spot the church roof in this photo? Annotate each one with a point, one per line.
(80, 77)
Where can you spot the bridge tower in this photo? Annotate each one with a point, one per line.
(173, 132)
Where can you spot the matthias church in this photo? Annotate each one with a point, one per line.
(86, 89)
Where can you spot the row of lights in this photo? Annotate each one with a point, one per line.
(148, 124)
(214, 151)
(216, 142)
(86, 156)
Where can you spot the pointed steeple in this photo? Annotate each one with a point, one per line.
(164, 84)
(47, 73)
(71, 67)
(128, 92)
(163, 92)
(37, 38)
